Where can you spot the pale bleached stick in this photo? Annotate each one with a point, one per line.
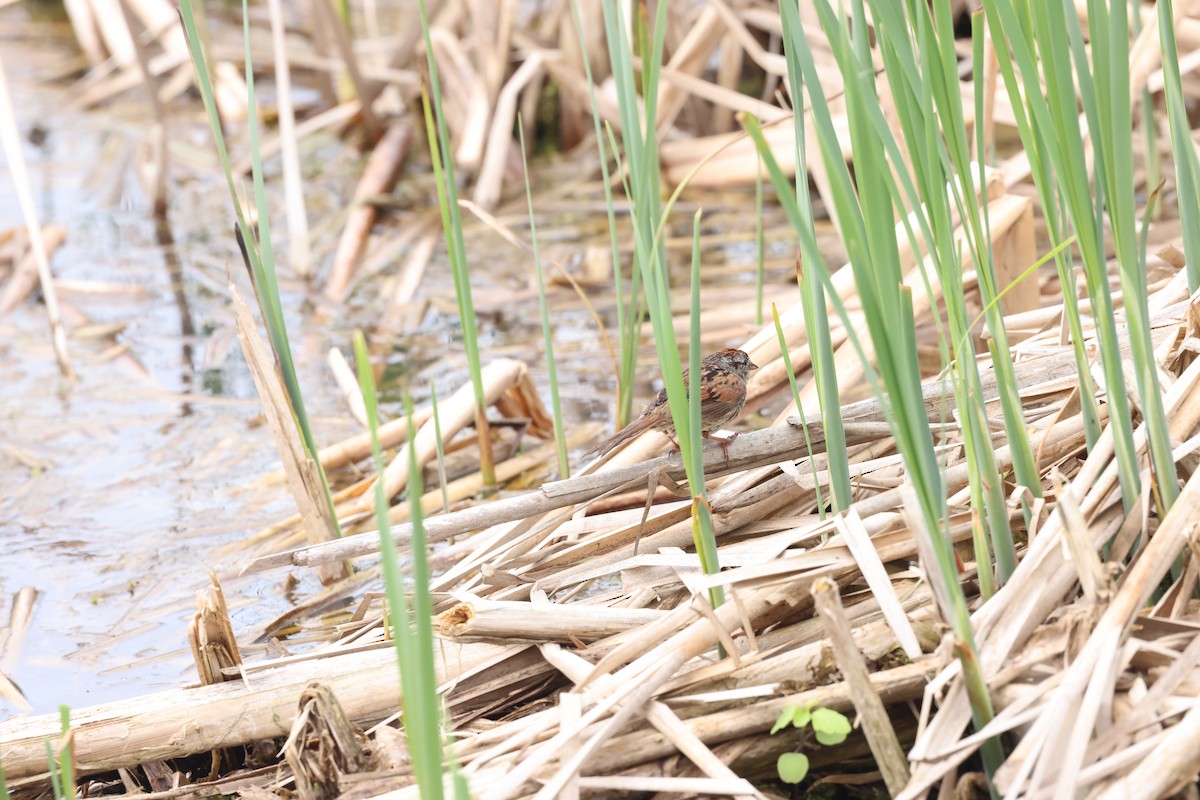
(347, 383)
(859, 542)
(659, 715)
(804, 658)
(299, 256)
(600, 556)
(570, 705)
(157, 137)
(411, 273)
(1143, 713)
(1091, 675)
(470, 485)
(738, 161)
(725, 99)
(690, 58)
(455, 413)
(356, 448)
(332, 26)
(875, 721)
(693, 787)
(181, 722)
(480, 618)
(1005, 212)
(303, 475)
(632, 704)
(107, 81)
(500, 138)
(639, 680)
(25, 276)
(378, 178)
(467, 93)
(117, 37)
(83, 24)
(760, 447)
(773, 63)
(894, 685)
(628, 750)
(329, 118)
(514, 778)
(15, 155)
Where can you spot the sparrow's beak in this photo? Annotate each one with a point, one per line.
(753, 365)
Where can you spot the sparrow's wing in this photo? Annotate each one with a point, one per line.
(722, 397)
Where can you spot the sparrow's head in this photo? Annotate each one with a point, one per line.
(735, 361)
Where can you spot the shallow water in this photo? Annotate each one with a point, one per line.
(118, 485)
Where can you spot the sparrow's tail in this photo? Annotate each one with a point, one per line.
(630, 431)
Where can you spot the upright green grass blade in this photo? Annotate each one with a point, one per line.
(1187, 168)
(816, 319)
(695, 396)
(447, 189)
(641, 147)
(629, 317)
(66, 756)
(939, 37)
(52, 768)
(1149, 121)
(920, 64)
(412, 626)
(441, 450)
(564, 469)
(263, 269)
(1105, 93)
(641, 160)
(1052, 105)
(787, 362)
(632, 322)
(1030, 113)
(703, 536)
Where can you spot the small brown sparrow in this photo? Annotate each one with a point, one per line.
(723, 377)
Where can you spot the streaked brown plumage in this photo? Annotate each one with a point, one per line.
(723, 376)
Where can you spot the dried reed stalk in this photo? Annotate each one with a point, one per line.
(378, 179)
(14, 154)
(876, 724)
(179, 722)
(477, 618)
(303, 475)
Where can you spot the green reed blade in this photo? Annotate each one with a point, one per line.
(560, 441)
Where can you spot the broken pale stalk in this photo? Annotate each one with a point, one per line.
(876, 723)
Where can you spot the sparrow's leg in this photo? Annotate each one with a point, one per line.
(724, 441)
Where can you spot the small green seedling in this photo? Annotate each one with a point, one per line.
(829, 726)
